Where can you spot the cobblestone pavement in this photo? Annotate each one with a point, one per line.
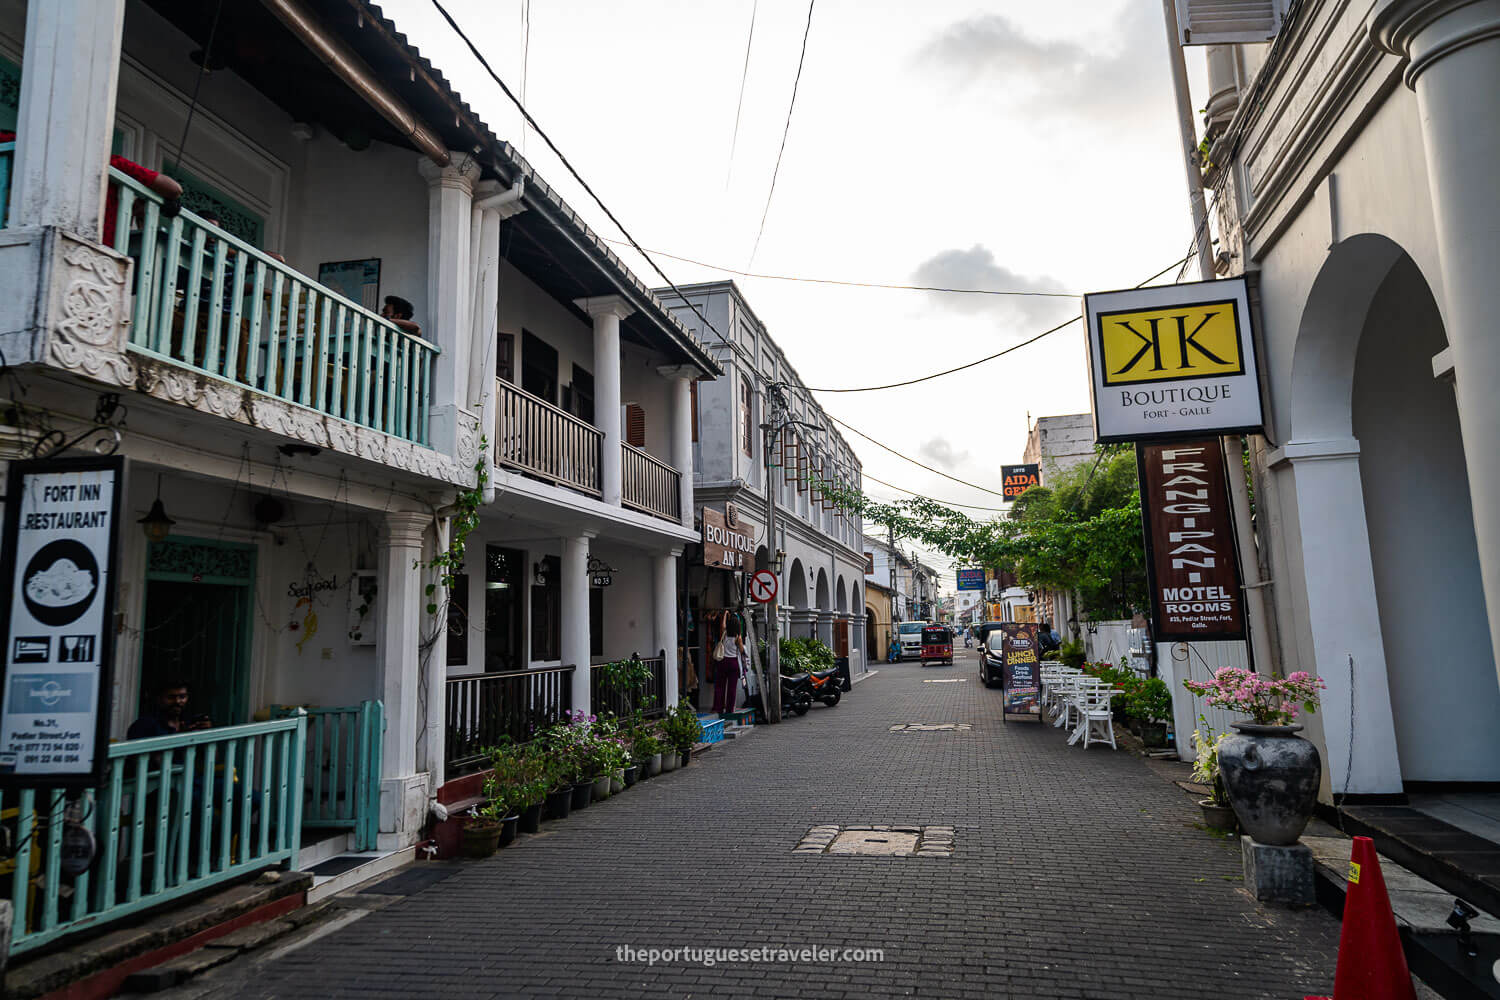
(1074, 874)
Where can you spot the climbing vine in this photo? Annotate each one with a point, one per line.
(450, 562)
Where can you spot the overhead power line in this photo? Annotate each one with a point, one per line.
(945, 503)
(740, 104)
(785, 131)
(913, 461)
(861, 284)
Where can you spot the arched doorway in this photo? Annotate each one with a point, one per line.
(822, 592)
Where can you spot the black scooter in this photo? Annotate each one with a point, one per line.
(796, 694)
(824, 685)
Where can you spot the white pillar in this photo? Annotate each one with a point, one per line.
(1343, 617)
(66, 117)
(607, 312)
(1454, 53)
(575, 616)
(682, 377)
(665, 567)
(450, 192)
(403, 793)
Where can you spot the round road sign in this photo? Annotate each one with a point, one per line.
(763, 587)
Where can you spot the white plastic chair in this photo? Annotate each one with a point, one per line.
(1095, 714)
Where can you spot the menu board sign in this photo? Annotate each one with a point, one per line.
(1020, 676)
(61, 530)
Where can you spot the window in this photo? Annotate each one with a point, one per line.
(596, 621)
(505, 357)
(546, 612)
(538, 367)
(635, 425)
(747, 423)
(583, 395)
(458, 621)
(503, 599)
(693, 405)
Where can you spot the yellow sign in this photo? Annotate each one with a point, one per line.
(1165, 345)
(1354, 873)
(1024, 613)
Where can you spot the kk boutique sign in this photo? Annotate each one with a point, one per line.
(1192, 567)
(728, 539)
(1173, 361)
(61, 533)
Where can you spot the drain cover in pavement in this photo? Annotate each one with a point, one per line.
(884, 841)
(935, 727)
(947, 680)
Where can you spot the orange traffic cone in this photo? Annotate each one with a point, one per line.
(1372, 965)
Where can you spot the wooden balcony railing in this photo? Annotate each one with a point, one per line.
(649, 485)
(175, 815)
(213, 303)
(606, 699)
(483, 708)
(541, 440)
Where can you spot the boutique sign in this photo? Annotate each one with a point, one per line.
(60, 538)
(1192, 566)
(728, 539)
(1172, 361)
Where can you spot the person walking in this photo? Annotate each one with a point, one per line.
(728, 656)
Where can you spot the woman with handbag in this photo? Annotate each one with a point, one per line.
(727, 655)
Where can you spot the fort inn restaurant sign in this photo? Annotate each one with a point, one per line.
(1172, 362)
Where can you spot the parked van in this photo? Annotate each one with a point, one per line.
(910, 634)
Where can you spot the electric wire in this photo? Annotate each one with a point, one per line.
(208, 49)
(568, 165)
(740, 104)
(945, 503)
(913, 461)
(786, 130)
(867, 284)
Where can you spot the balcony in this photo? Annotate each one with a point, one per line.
(649, 485)
(212, 303)
(542, 441)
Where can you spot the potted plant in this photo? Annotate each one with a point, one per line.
(1270, 773)
(1217, 812)
(681, 729)
(481, 833)
(647, 751)
(520, 777)
(1150, 705)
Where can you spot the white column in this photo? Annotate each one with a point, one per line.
(607, 312)
(575, 615)
(66, 117)
(682, 434)
(1454, 53)
(665, 578)
(450, 192)
(1343, 617)
(403, 794)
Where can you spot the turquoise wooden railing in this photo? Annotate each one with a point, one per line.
(175, 815)
(343, 770)
(7, 152)
(214, 303)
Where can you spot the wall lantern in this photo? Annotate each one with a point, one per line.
(156, 524)
(778, 562)
(539, 574)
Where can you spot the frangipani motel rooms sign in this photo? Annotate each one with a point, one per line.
(1175, 361)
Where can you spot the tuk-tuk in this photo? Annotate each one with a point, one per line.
(937, 644)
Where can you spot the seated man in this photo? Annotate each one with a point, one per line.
(399, 311)
(169, 716)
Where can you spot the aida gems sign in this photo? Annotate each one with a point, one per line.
(1172, 362)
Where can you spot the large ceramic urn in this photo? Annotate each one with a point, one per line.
(1272, 777)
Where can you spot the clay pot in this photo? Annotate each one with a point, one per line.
(1271, 775)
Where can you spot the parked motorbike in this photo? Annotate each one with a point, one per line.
(796, 694)
(825, 685)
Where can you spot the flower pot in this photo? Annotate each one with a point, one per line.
(480, 838)
(629, 775)
(583, 794)
(617, 782)
(559, 803)
(1218, 817)
(687, 757)
(1271, 775)
(601, 788)
(1154, 734)
(508, 830)
(653, 765)
(669, 761)
(531, 818)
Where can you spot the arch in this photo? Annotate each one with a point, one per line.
(841, 596)
(762, 558)
(856, 600)
(822, 591)
(796, 585)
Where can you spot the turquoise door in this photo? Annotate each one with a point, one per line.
(196, 625)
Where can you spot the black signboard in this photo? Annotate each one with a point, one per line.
(1017, 479)
(60, 541)
(1021, 679)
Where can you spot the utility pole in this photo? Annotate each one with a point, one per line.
(770, 699)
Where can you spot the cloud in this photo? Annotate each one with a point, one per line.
(1106, 82)
(976, 267)
(941, 453)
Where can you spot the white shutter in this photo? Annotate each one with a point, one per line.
(1228, 22)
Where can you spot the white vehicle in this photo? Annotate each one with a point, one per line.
(910, 635)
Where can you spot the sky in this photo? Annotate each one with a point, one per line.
(1005, 145)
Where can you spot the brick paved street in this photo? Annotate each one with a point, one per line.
(1075, 874)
